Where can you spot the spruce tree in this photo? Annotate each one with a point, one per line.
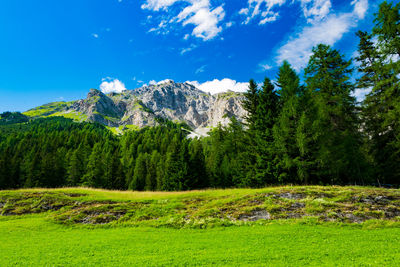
(380, 68)
(94, 176)
(140, 172)
(335, 123)
(175, 168)
(287, 153)
(263, 144)
(75, 168)
(250, 103)
(197, 166)
(151, 177)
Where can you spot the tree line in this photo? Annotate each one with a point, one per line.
(297, 131)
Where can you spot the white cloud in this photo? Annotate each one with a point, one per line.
(201, 69)
(160, 28)
(264, 10)
(229, 24)
(188, 49)
(95, 35)
(199, 13)
(360, 8)
(165, 81)
(315, 10)
(264, 67)
(298, 49)
(156, 5)
(110, 85)
(218, 86)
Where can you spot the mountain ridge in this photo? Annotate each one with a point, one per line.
(178, 102)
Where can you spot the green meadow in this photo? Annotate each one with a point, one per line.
(61, 227)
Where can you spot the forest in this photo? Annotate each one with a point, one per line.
(299, 130)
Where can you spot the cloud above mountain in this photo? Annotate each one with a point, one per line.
(111, 85)
(218, 86)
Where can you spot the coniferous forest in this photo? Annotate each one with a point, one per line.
(300, 129)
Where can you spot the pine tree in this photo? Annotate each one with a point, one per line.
(151, 177)
(197, 166)
(287, 153)
(175, 168)
(335, 124)
(140, 172)
(380, 68)
(161, 174)
(250, 103)
(118, 172)
(267, 111)
(75, 168)
(94, 176)
(5, 169)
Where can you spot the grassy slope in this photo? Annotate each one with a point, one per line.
(47, 109)
(200, 209)
(34, 239)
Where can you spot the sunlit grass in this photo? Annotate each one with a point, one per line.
(32, 240)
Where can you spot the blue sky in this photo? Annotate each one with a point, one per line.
(58, 50)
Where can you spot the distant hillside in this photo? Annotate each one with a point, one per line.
(7, 118)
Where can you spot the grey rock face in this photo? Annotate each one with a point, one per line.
(174, 101)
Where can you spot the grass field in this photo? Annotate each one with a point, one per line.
(32, 233)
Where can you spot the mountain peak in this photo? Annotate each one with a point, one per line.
(179, 102)
(94, 92)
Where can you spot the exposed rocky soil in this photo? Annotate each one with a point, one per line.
(347, 205)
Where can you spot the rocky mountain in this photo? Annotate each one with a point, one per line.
(179, 102)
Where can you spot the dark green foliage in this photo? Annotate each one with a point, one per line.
(380, 68)
(288, 128)
(140, 173)
(262, 107)
(250, 103)
(337, 152)
(57, 152)
(314, 133)
(225, 152)
(7, 118)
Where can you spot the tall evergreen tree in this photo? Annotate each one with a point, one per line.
(76, 169)
(267, 112)
(380, 68)
(262, 109)
(197, 166)
(287, 153)
(140, 172)
(94, 176)
(335, 124)
(250, 103)
(151, 177)
(175, 167)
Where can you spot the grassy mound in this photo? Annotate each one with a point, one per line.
(201, 209)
